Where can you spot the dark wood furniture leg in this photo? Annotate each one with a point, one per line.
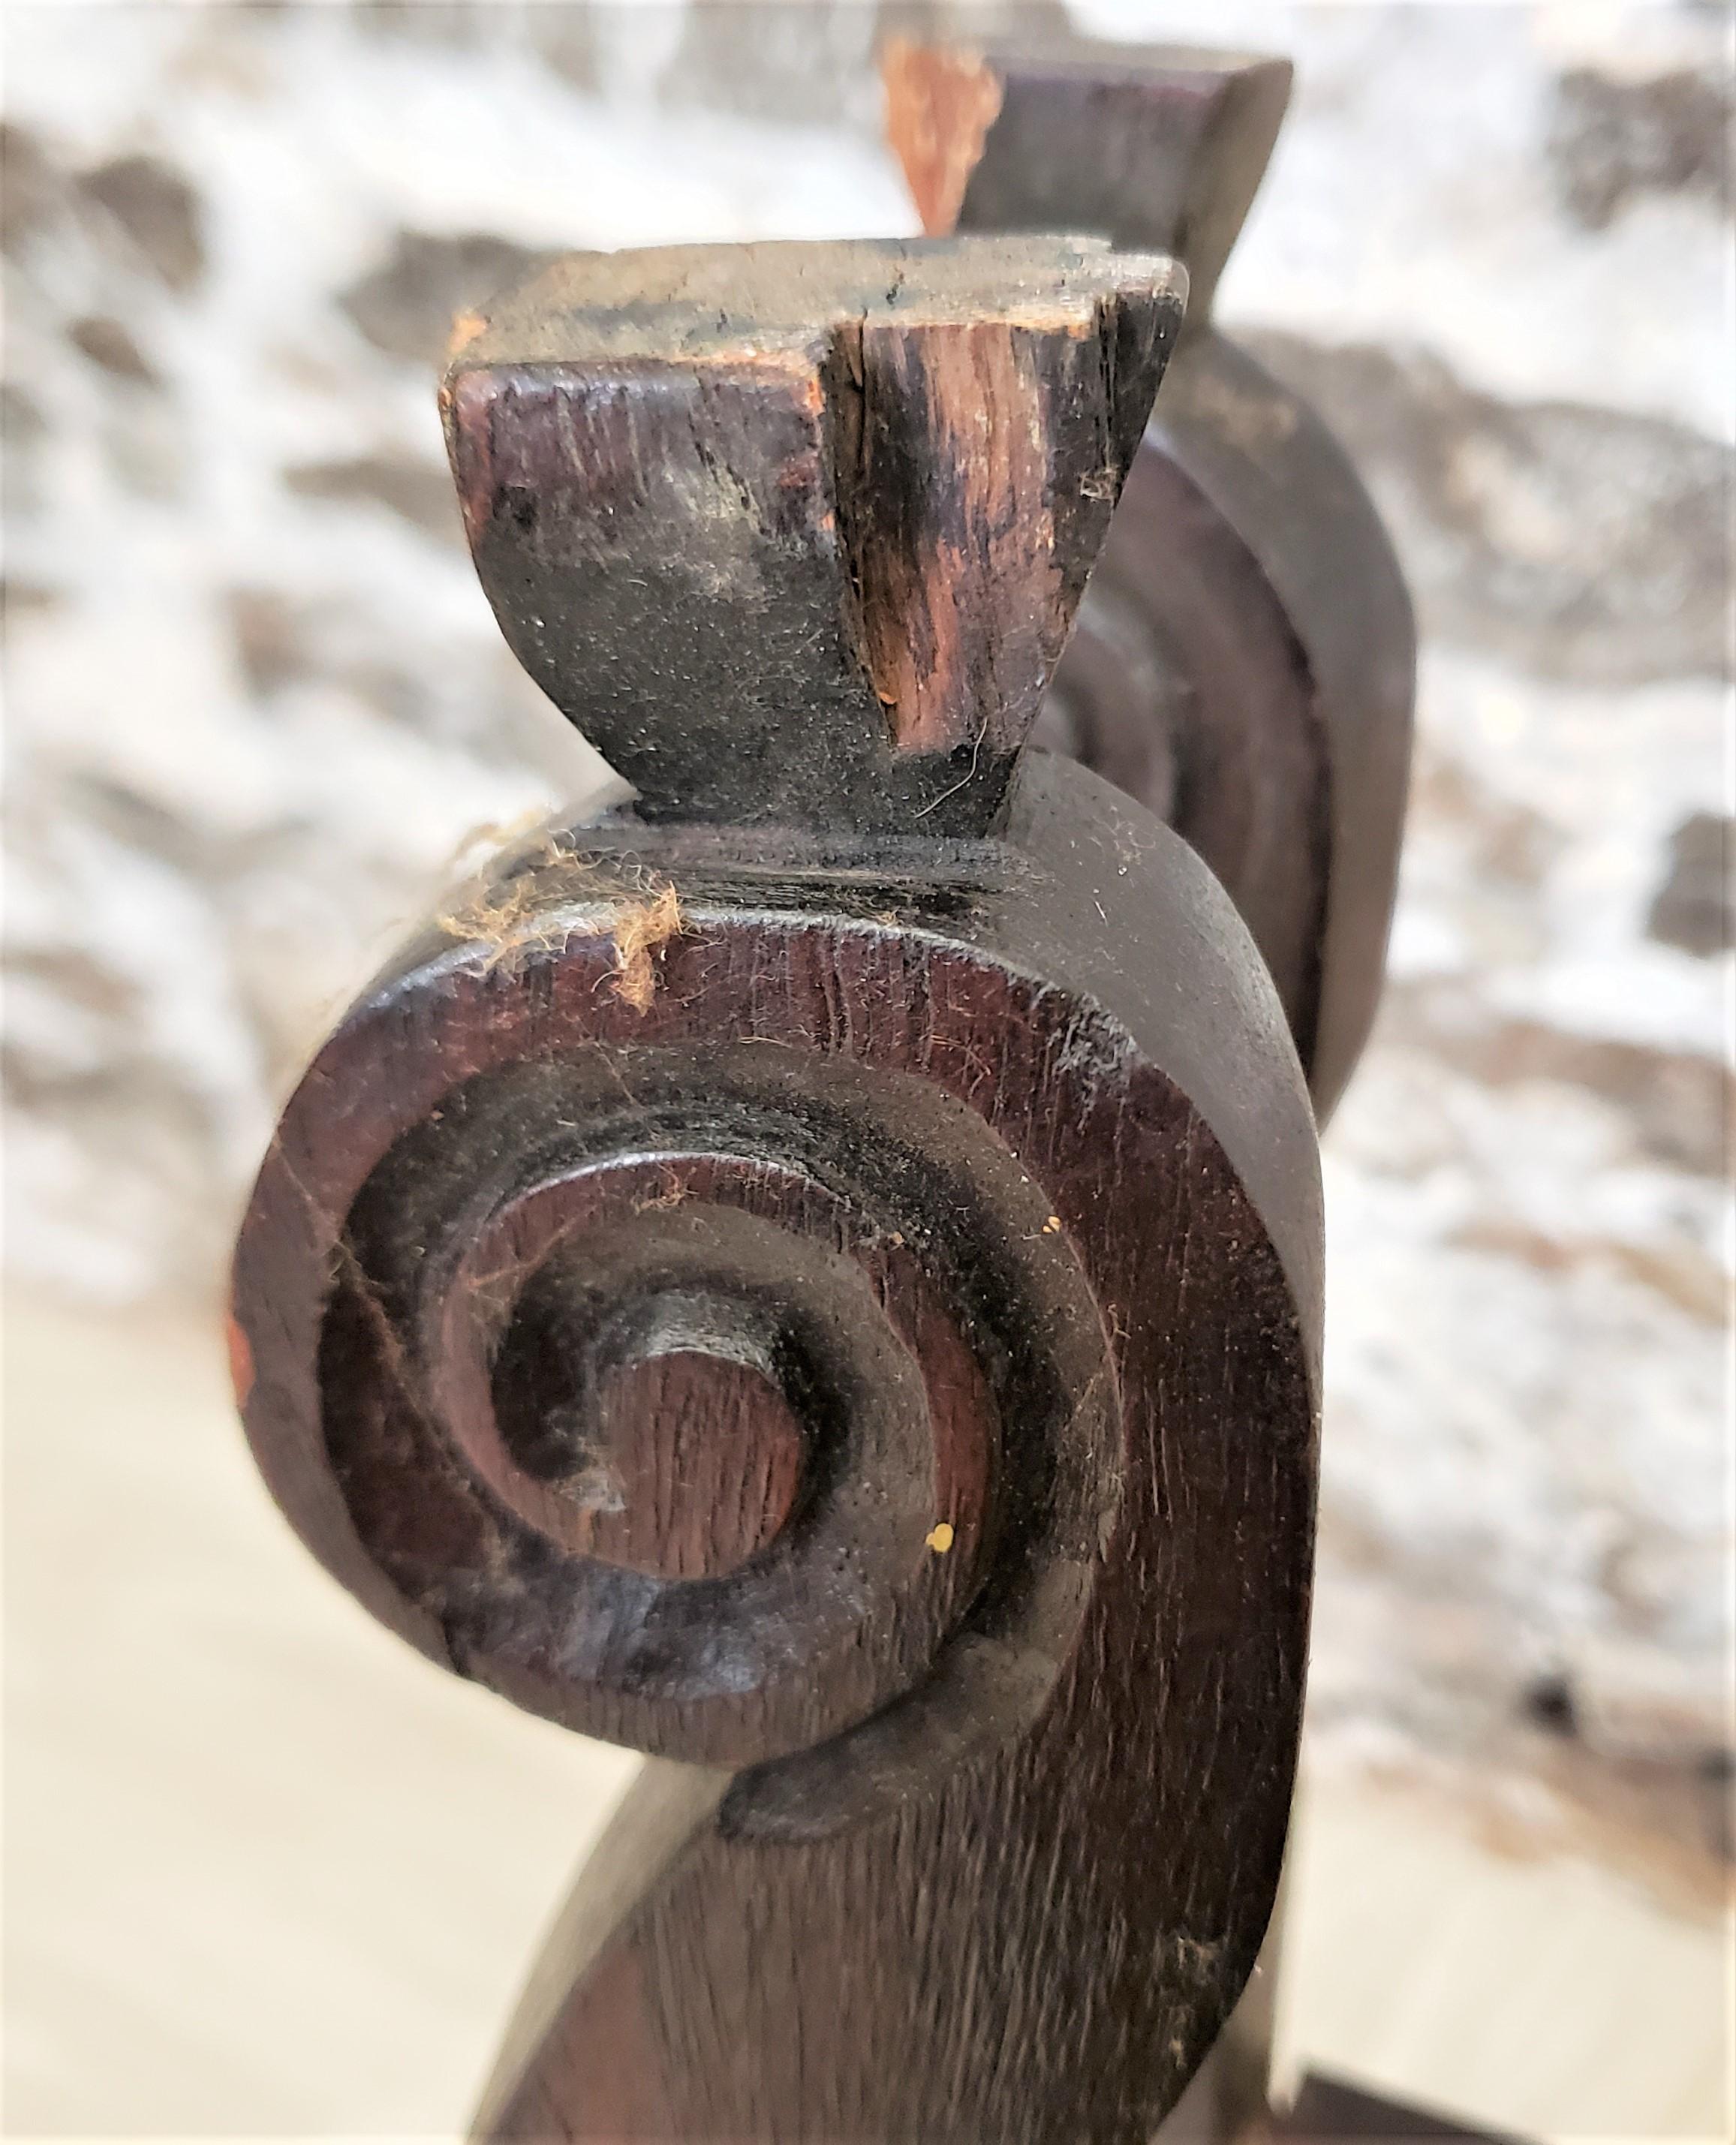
(818, 1275)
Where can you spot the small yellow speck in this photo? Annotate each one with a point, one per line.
(940, 1537)
(1052, 1225)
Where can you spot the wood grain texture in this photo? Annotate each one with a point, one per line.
(1246, 663)
(816, 1276)
(1153, 146)
(885, 469)
(1025, 1215)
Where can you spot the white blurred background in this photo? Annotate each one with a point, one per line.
(267, 1873)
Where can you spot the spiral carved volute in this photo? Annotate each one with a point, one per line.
(807, 1285)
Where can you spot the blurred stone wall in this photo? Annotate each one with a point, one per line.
(256, 705)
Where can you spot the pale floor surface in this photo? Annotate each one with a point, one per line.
(270, 1873)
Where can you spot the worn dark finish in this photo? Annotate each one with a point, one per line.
(1021, 1216)
(1245, 659)
(1245, 662)
(817, 1276)
(1152, 146)
(887, 466)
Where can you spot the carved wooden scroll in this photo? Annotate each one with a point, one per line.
(817, 1276)
(1245, 663)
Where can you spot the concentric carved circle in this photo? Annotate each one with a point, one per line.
(784, 1295)
(707, 1394)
